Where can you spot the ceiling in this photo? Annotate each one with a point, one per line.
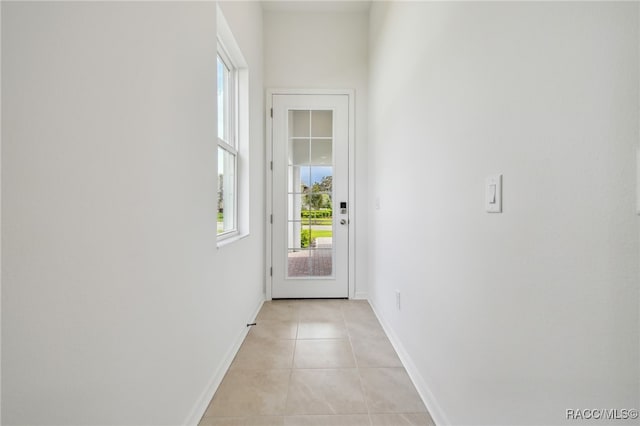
(316, 6)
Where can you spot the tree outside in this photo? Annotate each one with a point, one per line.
(317, 211)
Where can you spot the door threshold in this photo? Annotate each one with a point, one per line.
(310, 298)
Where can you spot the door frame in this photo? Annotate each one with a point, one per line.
(350, 93)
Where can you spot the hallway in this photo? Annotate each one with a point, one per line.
(489, 165)
(316, 362)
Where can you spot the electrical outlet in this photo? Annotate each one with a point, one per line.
(398, 299)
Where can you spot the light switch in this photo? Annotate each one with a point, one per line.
(493, 194)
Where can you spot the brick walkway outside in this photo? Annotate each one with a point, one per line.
(314, 262)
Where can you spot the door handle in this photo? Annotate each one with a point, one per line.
(343, 221)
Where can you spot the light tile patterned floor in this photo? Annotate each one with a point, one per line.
(316, 363)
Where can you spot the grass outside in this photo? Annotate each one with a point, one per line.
(308, 236)
(321, 234)
(321, 221)
(220, 223)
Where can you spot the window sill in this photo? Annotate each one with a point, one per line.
(229, 240)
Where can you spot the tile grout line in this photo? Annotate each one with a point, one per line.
(293, 365)
(348, 337)
(355, 359)
(341, 316)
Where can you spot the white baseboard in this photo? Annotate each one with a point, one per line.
(437, 414)
(203, 402)
(361, 295)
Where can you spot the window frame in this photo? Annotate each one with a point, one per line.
(230, 101)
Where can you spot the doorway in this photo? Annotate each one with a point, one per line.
(310, 204)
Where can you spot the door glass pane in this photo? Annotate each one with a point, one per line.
(300, 152)
(299, 263)
(321, 152)
(299, 124)
(298, 210)
(310, 250)
(322, 124)
(321, 260)
(321, 178)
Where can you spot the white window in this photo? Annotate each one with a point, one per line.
(227, 146)
(233, 136)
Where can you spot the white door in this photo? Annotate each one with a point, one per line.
(310, 231)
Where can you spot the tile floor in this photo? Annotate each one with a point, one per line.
(316, 363)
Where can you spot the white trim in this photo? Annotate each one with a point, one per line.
(201, 406)
(352, 193)
(222, 242)
(231, 101)
(268, 195)
(231, 54)
(361, 295)
(225, 36)
(435, 410)
(230, 132)
(351, 94)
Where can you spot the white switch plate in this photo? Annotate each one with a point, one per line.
(398, 299)
(493, 194)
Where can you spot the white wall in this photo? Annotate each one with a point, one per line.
(117, 307)
(320, 49)
(508, 318)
